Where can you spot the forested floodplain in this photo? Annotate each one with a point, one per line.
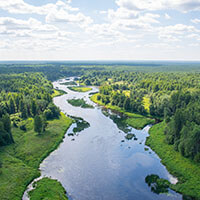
(30, 128)
(168, 94)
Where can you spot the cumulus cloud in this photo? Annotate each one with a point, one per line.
(176, 32)
(13, 25)
(63, 16)
(142, 5)
(195, 21)
(20, 7)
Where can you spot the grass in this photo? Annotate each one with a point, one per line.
(48, 189)
(20, 161)
(79, 103)
(80, 89)
(135, 120)
(187, 172)
(57, 93)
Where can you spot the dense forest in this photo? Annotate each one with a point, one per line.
(165, 93)
(22, 96)
(173, 97)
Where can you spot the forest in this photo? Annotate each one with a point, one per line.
(169, 94)
(22, 96)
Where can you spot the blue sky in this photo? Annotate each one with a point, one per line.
(100, 30)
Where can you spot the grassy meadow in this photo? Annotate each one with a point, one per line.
(20, 161)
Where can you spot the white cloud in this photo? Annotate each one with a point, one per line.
(65, 17)
(195, 21)
(142, 5)
(167, 16)
(24, 27)
(176, 32)
(178, 29)
(20, 7)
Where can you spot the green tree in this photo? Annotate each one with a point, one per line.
(38, 124)
(33, 107)
(11, 106)
(7, 127)
(23, 109)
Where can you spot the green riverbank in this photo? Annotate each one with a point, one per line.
(80, 89)
(79, 103)
(185, 170)
(135, 120)
(47, 188)
(57, 92)
(20, 161)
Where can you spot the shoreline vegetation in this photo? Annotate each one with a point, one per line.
(79, 103)
(69, 83)
(57, 93)
(47, 188)
(21, 160)
(186, 170)
(188, 183)
(80, 89)
(135, 120)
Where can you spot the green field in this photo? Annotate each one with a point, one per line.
(79, 103)
(20, 161)
(135, 120)
(80, 89)
(48, 189)
(184, 169)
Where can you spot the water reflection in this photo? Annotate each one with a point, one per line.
(157, 184)
(101, 164)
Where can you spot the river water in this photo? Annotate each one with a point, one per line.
(99, 163)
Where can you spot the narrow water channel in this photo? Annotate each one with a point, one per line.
(99, 163)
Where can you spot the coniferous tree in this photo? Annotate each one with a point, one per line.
(23, 110)
(11, 106)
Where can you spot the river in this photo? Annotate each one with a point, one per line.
(98, 163)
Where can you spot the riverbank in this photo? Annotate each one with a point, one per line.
(135, 120)
(50, 189)
(185, 170)
(57, 93)
(21, 160)
(80, 89)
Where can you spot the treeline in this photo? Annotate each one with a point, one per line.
(22, 96)
(173, 97)
(51, 71)
(183, 128)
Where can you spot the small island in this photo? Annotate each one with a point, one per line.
(80, 89)
(79, 103)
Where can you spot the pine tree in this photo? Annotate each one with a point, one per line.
(11, 106)
(23, 110)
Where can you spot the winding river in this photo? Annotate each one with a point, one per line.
(98, 163)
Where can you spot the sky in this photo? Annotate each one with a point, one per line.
(100, 30)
